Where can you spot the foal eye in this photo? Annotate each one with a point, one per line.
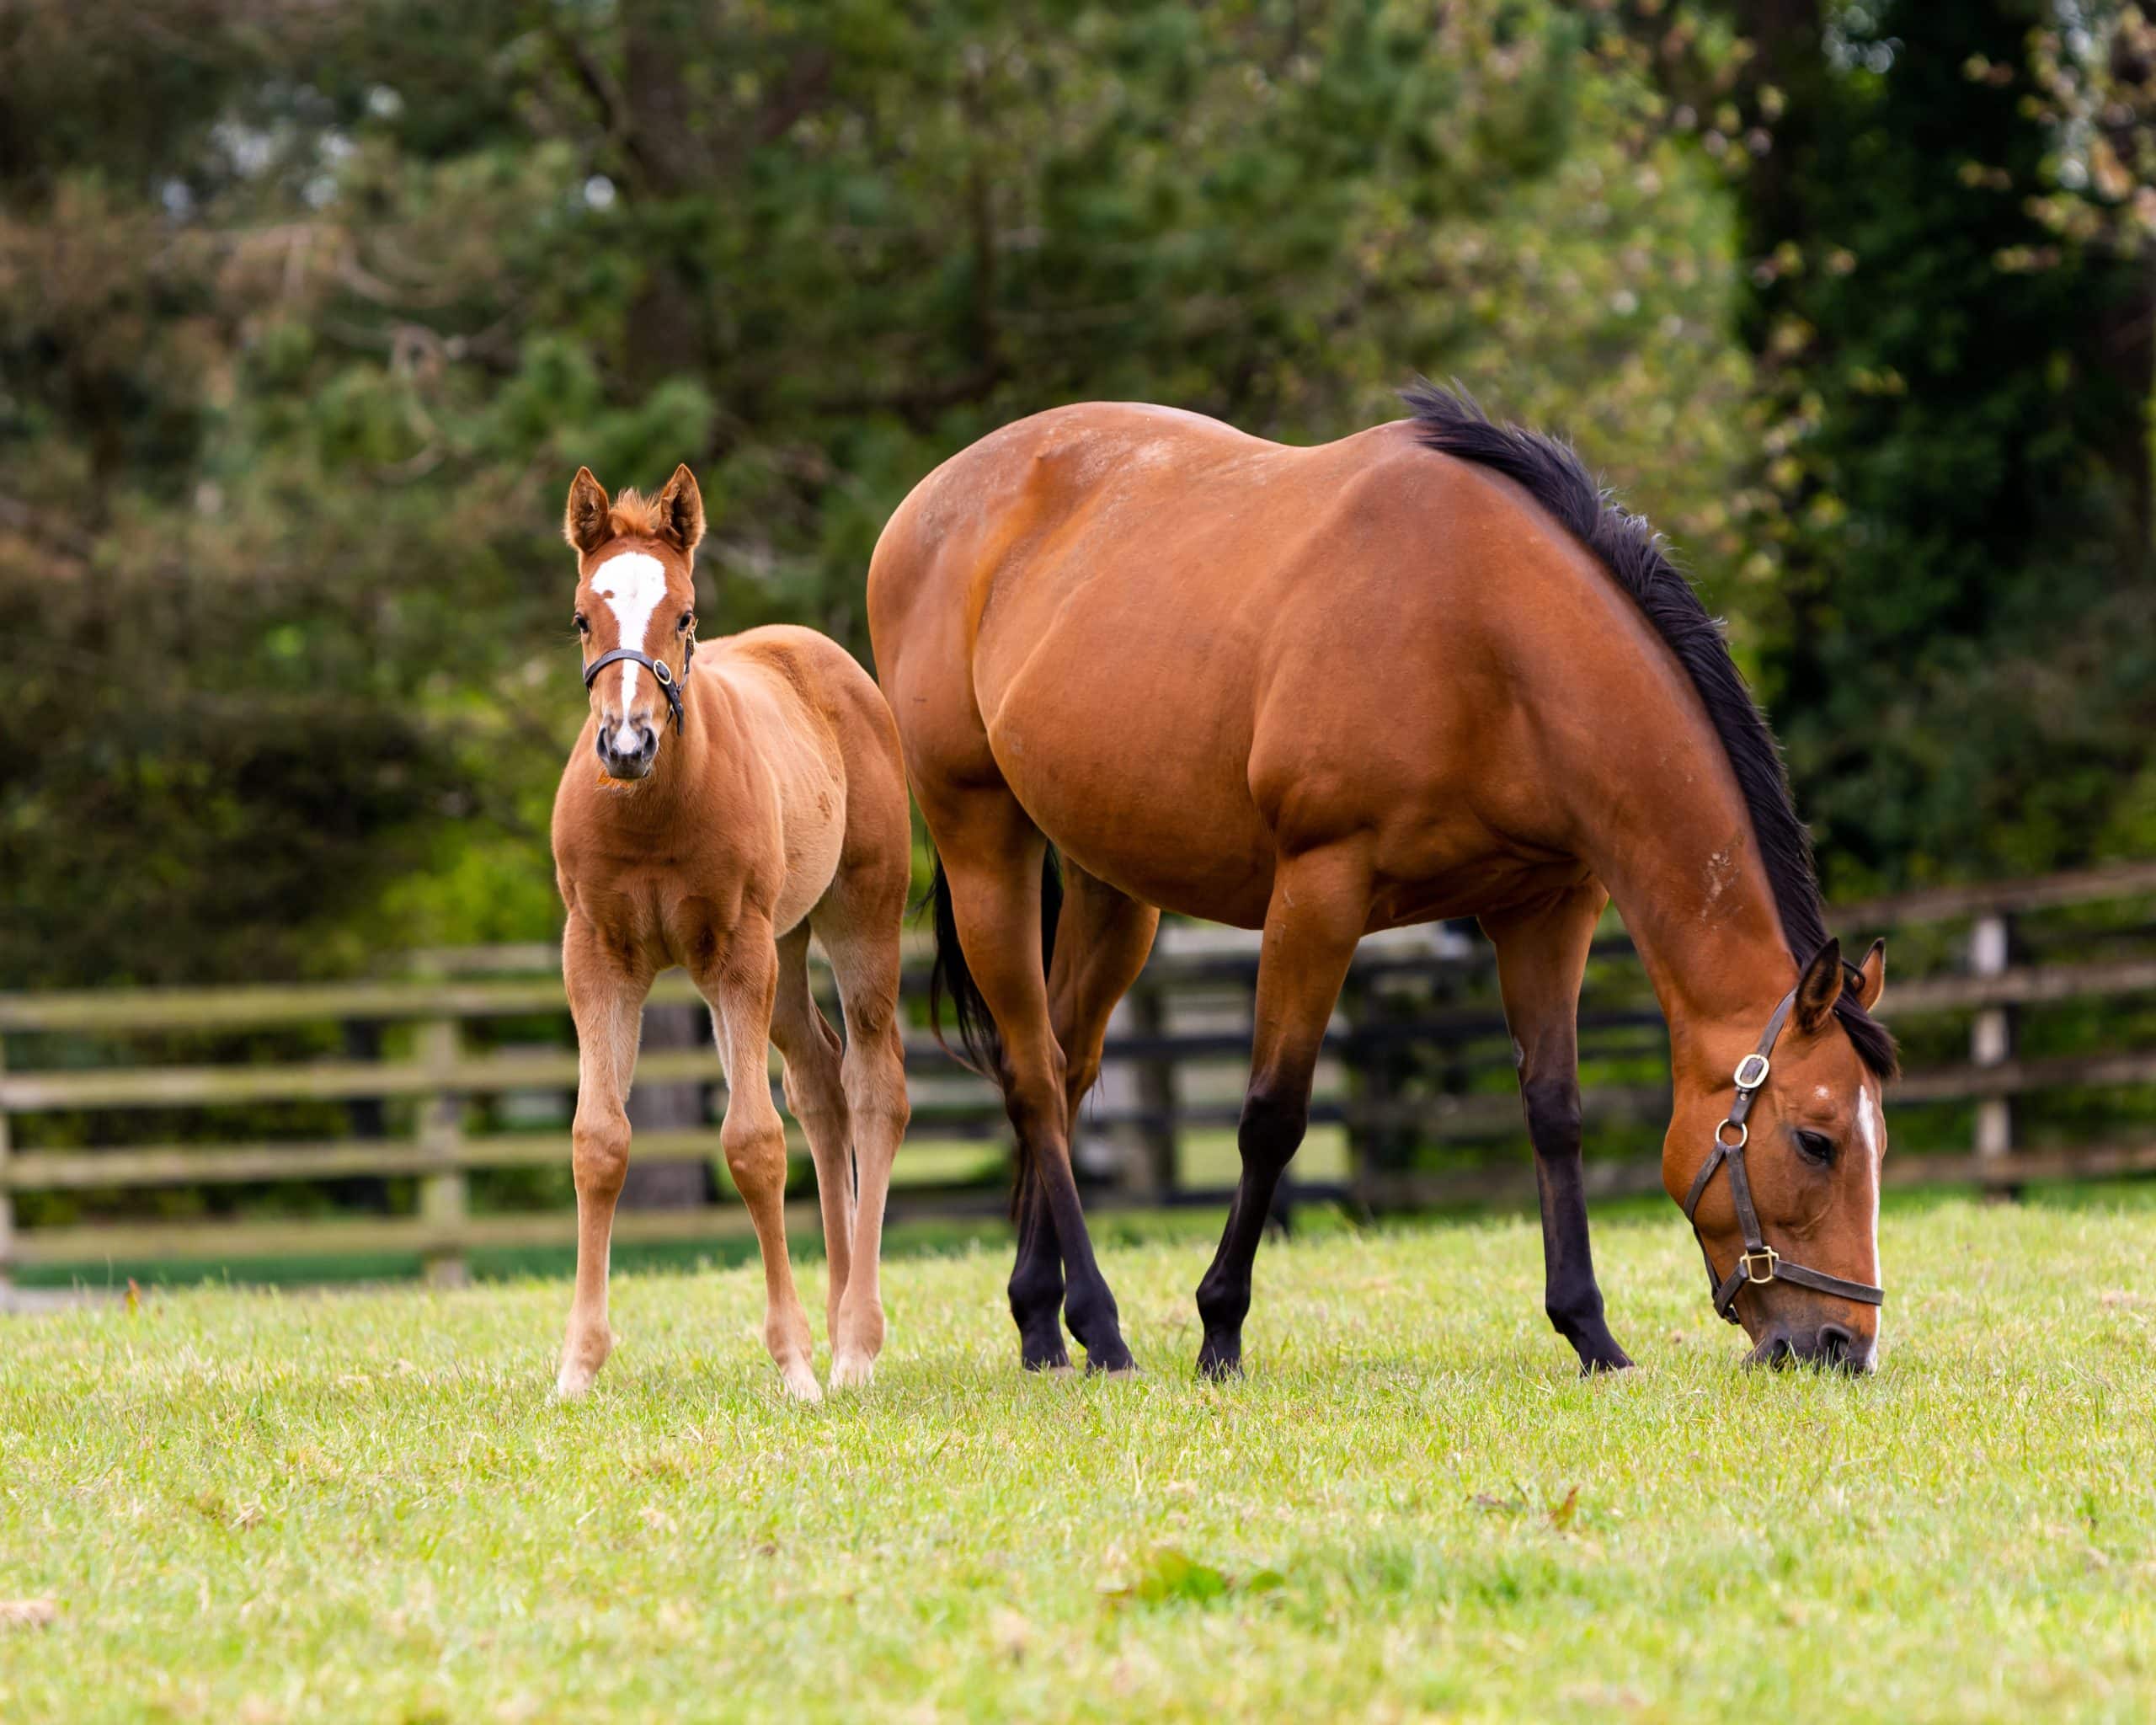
(583, 624)
(687, 618)
(1816, 1146)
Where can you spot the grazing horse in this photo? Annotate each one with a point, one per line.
(1421, 672)
(721, 806)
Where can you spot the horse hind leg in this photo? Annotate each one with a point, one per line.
(860, 928)
(816, 1097)
(1320, 907)
(992, 855)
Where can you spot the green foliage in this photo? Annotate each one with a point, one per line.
(1961, 642)
(298, 358)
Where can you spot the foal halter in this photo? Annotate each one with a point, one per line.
(1758, 1263)
(667, 685)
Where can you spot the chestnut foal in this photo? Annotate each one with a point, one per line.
(742, 798)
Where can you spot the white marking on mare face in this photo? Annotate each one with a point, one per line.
(1867, 1133)
(631, 583)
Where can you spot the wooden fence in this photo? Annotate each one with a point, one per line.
(1414, 1105)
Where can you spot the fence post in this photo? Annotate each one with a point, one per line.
(1150, 1160)
(7, 1188)
(443, 1192)
(1367, 1091)
(1991, 1043)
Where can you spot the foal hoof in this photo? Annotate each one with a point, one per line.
(573, 1384)
(852, 1371)
(800, 1383)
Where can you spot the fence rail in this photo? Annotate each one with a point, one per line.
(1415, 997)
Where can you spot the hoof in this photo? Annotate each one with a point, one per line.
(852, 1371)
(1131, 1370)
(573, 1384)
(1218, 1362)
(800, 1383)
(1058, 1361)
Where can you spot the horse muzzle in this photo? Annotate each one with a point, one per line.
(1830, 1347)
(626, 751)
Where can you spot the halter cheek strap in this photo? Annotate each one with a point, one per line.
(1758, 1263)
(669, 685)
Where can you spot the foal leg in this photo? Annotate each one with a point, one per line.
(1320, 905)
(860, 932)
(992, 855)
(740, 981)
(816, 1095)
(1540, 956)
(607, 1001)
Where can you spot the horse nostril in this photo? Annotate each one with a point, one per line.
(1836, 1344)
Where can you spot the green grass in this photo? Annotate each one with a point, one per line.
(254, 1505)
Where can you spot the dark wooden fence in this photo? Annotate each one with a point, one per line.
(431, 1110)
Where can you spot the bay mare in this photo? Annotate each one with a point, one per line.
(1421, 672)
(723, 804)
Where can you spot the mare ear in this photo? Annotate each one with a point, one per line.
(1869, 978)
(681, 510)
(587, 524)
(1819, 988)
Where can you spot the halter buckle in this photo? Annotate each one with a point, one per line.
(1750, 1261)
(1743, 1134)
(1752, 1071)
(660, 670)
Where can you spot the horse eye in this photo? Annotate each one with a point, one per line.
(1816, 1146)
(687, 618)
(583, 624)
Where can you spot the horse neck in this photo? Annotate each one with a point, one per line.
(1673, 840)
(665, 797)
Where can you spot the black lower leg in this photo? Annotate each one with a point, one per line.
(1571, 1294)
(1271, 1130)
(1036, 1284)
(1088, 1303)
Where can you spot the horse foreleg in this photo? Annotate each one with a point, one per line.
(606, 1002)
(1320, 907)
(1540, 958)
(741, 984)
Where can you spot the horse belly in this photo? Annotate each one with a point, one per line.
(812, 797)
(1139, 785)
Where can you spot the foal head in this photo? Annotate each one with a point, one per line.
(1811, 1144)
(634, 591)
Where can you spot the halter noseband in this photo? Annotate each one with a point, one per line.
(1758, 1263)
(667, 685)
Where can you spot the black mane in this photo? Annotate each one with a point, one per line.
(1637, 557)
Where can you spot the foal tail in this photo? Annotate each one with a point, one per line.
(950, 974)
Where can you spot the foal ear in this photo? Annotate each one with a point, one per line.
(1870, 980)
(1819, 988)
(587, 524)
(681, 510)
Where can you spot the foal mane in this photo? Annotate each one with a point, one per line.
(634, 515)
(1638, 558)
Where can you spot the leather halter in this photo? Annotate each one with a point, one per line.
(1758, 1263)
(667, 685)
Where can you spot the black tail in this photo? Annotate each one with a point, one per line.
(977, 1033)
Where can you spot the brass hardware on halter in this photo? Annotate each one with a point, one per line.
(1746, 1262)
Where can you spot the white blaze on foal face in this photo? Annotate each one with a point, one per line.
(632, 584)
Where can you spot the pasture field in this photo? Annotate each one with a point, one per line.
(256, 1506)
